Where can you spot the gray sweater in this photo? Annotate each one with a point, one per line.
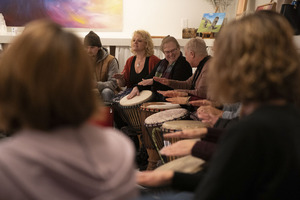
(88, 162)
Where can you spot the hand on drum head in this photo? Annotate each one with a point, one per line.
(154, 178)
(180, 148)
(202, 102)
(173, 93)
(209, 114)
(188, 133)
(178, 100)
(146, 82)
(134, 92)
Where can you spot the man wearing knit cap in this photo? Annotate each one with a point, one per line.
(106, 66)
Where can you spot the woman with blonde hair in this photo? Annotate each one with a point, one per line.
(141, 63)
(46, 97)
(137, 67)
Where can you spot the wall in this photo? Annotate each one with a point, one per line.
(160, 17)
(166, 17)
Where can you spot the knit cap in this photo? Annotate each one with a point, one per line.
(92, 39)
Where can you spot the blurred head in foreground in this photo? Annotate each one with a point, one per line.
(256, 60)
(45, 79)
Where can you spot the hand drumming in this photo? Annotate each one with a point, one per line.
(178, 100)
(164, 81)
(209, 114)
(180, 148)
(202, 102)
(187, 133)
(145, 82)
(154, 178)
(135, 92)
(173, 93)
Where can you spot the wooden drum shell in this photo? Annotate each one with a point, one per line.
(148, 109)
(178, 125)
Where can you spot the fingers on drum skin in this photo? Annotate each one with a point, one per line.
(172, 135)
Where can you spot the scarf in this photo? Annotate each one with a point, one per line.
(163, 70)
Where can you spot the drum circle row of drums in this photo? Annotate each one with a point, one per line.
(152, 120)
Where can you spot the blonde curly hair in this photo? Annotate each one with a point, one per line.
(255, 60)
(149, 49)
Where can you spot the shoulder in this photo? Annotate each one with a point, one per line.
(207, 63)
(130, 59)
(110, 57)
(154, 59)
(128, 62)
(182, 61)
(112, 60)
(265, 122)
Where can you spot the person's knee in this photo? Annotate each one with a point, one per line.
(107, 94)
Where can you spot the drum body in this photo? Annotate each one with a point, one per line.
(178, 125)
(109, 115)
(103, 116)
(186, 164)
(154, 122)
(151, 108)
(130, 109)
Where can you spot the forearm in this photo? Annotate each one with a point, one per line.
(196, 92)
(107, 84)
(179, 84)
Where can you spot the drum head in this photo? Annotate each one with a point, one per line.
(144, 96)
(186, 164)
(183, 124)
(159, 105)
(166, 115)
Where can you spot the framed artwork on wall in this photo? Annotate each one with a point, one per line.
(103, 15)
(211, 22)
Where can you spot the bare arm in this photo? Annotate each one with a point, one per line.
(155, 178)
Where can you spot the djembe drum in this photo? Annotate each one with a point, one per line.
(148, 109)
(178, 125)
(104, 113)
(154, 122)
(130, 109)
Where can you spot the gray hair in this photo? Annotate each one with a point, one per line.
(198, 46)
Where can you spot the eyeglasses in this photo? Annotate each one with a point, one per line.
(172, 51)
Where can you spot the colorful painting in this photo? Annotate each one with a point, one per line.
(105, 15)
(211, 22)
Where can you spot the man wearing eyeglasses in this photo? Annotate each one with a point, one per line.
(174, 66)
(196, 54)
